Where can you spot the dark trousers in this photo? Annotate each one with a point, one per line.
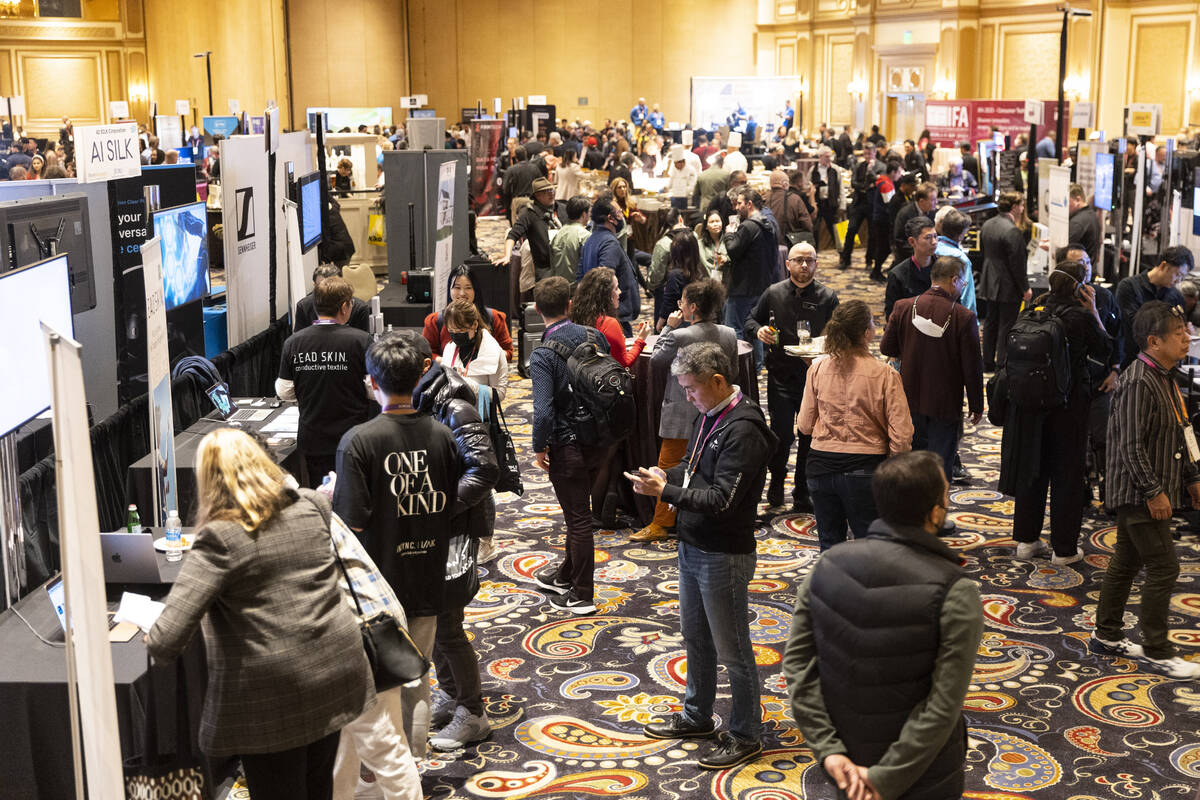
(828, 215)
(840, 500)
(318, 465)
(878, 244)
(573, 470)
(679, 202)
(1098, 432)
(1062, 467)
(783, 404)
(856, 217)
(938, 436)
(302, 773)
(456, 663)
(1000, 318)
(1142, 541)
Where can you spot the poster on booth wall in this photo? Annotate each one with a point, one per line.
(107, 152)
(158, 374)
(1059, 208)
(443, 232)
(485, 141)
(83, 569)
(1085, 165)
(244, 213)
(170, 132)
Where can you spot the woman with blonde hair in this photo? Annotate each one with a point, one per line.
(855, 410)
(286, 665)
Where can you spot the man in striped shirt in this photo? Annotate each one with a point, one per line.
(1152, 455)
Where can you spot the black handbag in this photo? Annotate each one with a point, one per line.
(502, 443)
(177, 776)
(394, 657)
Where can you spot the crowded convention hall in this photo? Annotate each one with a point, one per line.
(793, 400)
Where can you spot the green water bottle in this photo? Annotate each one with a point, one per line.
(133, 522)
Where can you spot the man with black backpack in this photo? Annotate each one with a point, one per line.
(574, 379)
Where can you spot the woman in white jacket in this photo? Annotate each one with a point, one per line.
(473, 352)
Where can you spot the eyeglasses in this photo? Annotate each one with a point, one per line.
(803, 260)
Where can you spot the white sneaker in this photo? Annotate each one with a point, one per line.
(1177, 668)
(1028, 551)
(486, 550)
(1062, 561)
(1123, 649)
(465, 729)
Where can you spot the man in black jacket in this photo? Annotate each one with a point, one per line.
(828, 184)
(910, 277)
(716, 491)
(969, 161)
(883, 644)
(859, 209)
(306, 310)
(1083, 227)
(533, 225)
(924, 198)
(753, 258)
(1004, 282)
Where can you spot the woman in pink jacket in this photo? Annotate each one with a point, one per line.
(855, 410)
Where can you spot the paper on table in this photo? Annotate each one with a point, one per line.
(138, 609)
(288, 421)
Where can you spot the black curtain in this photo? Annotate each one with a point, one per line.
(250, 369)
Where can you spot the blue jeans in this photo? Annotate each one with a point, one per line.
(714, 615)
(736, 310)
(937, 435)
(841, 499)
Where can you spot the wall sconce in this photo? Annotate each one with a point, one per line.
(1075, 87)
(857, 88)
(943, 87)
(138, 92)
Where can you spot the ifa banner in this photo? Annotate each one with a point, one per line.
(486, 138)
(953, 121)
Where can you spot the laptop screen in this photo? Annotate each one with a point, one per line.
(58, 599)
(218, 393)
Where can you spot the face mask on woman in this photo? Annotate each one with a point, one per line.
(463, 341)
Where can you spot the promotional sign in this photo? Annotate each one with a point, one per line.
(170, 132)
(244, 211)
(1085, 165)
(234, 106)
(89, 654)
(1035, 112)
(443, 232)
(219, 126)
(158, 365)
(1082, 115)
(16, 105)
(118, 109)
(183, 108)
(1145, 119)
(541, 117)
(1103, 186)
(953, 121)
(484, 146)
(1059, 209)
(105, 152)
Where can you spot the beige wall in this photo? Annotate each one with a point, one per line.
(249, 61)
(468, 50)
(347, 53)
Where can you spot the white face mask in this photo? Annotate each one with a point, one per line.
(928, 326)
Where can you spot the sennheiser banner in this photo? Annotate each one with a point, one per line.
(244, 220)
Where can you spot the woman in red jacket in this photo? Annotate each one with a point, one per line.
(595, 305)
(463, 287)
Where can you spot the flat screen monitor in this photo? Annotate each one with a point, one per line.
(183, 238)
(308, 198)
(40, 292)
(38, 228)
(1104, 181)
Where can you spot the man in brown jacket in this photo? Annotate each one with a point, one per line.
(789, 207)
(937, 342)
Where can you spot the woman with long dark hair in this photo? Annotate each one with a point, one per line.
(683, 267)
(464, 285)
(1047, 450)
(595, 305)
(855, 410)
(708, 237)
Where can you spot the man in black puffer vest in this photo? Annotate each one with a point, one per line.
(883, 644)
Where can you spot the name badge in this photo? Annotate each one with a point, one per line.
(1189, 436)
(687, 475)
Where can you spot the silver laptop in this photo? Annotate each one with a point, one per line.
(129, 558)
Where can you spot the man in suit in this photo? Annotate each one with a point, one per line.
(828, 184)
(712, 182)
(1003, 281)
(1083, 227)
(921, 205)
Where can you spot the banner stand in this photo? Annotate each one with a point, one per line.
(12, 530)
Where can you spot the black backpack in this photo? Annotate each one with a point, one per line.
(1038, 361)
(602, 409)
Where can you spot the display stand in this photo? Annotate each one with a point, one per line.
(12, 531)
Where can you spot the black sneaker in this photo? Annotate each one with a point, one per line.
(729, 751)
(775, 494)
(802, 505)
(677, 726)
(547, 578)
(568, 601)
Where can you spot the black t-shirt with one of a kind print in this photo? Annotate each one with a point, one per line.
(327, 365)
(397, 480)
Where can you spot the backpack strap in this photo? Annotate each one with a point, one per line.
(558, 348)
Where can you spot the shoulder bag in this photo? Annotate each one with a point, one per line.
(502, 443)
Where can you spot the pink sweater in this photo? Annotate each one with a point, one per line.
(855, 404)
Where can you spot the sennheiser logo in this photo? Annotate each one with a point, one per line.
(244, 205)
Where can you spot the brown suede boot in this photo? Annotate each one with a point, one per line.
(650, 533)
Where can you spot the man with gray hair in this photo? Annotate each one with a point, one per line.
(715, 490)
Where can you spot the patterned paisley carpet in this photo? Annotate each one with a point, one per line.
(568, 695)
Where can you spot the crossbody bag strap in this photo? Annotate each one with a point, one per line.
(338, 556)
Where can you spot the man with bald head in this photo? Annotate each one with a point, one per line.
(775, 321)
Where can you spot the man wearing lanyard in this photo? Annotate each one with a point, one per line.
(1152, 455)
(715, 490)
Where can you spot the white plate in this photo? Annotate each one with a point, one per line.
(161, 544)
(805, 352)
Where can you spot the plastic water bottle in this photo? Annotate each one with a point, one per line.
(133, 522)
(174, 536)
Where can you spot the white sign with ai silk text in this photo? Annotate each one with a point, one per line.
(105, 152)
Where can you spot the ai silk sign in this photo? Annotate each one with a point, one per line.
(105, 152)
